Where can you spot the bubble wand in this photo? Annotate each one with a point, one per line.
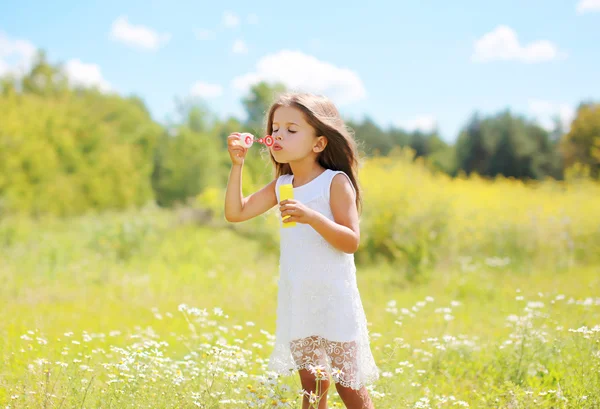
(247, 139)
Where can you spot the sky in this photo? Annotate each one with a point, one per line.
(416, 65)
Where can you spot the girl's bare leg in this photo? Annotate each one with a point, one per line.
(354, 399)
(318, 388)
(316, 382)
(345, 367)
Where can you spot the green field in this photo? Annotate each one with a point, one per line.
(147, 310)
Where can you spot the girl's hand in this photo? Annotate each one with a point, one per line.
(237, 152)
(297, 212)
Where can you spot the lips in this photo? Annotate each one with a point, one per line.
(277, 147)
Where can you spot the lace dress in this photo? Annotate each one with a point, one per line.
(320, 317)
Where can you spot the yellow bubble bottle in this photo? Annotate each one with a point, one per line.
(286, 192)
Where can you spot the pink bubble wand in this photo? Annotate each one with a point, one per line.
(247, 139)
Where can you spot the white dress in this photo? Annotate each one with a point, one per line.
(320, 317)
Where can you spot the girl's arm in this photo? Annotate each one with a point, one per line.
(343, 232)
(239, 208)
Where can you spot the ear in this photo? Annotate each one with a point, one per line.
(320, 144)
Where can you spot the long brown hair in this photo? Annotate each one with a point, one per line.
(341, 152)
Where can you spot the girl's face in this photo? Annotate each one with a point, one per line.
(295, 139)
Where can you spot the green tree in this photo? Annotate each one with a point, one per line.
(187, 159)
(64, 151)
(582, 143)
(505, 144)
(371, 138)
(257, 102)
(44, 79)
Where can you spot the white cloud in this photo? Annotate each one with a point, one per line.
(252, 18)
(239, 47)
(85, 75)
(206, 90)
(587, 6)
(544, 111)
(302, 72)
(423, 123)
(502, 44)
(16, 56)
(202, 34)
(230, 20)
(137, 36)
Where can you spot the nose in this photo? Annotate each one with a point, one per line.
(278, 137)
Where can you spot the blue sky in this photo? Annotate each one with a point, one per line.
(412, 64)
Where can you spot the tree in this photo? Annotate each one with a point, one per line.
(44, 79)
(86, 148)
(471, 154)
(257, 102)
(187, 159)
(582, 143)
(371, 138)
(505, 144)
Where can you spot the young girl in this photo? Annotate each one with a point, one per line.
(321, 328)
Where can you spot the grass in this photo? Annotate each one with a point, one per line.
(138, 310)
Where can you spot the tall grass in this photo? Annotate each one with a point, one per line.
(478, 294)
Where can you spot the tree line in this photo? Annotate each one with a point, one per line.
(66, 149)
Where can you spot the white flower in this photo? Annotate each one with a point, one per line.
(316, 369)
(337, 373)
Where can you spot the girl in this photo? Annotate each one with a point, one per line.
(321, 328)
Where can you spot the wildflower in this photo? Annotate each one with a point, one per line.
(312, 397)
(337, 373)
(318, 370)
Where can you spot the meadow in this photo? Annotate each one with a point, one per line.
(479, 293)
